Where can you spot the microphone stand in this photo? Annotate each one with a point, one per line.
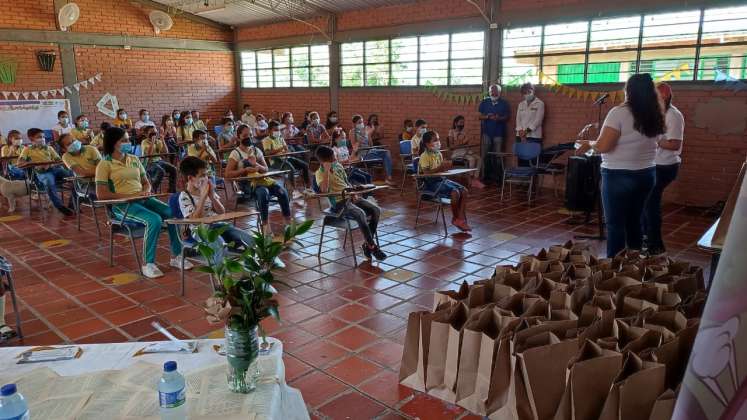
(597, 179)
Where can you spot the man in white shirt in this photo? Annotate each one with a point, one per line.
(529, 116)
(144, 120)
(667, 165)
(63, 126)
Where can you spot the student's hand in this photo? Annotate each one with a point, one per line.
(522, 133)
(583, 147)
(205, 189)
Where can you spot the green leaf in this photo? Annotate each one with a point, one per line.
(234, 266)
(216, 232)
(206, 269)
(304, 227)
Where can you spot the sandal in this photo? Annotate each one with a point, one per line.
(6, 333)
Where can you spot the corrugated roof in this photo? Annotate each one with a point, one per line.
(248, 12)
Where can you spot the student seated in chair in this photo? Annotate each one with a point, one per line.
(407, 130)
(98, 139)
(6, 333)
(156, 167)
(121, 175)
(82, 131)
(315, 131)
(48, 176)
(199, 199)
(13, 149)
(359, 138)
(247, 159)
(227, 138)
(274, 144)
(331, 178)
(432, 161)
(79, 158)
(342, 154)
(200, 148)
(421, 127)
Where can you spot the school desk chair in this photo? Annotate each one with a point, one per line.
(428, 196)
(6, 278)
(526, 175)
(38, 191)
(84, 194)
(405, 158)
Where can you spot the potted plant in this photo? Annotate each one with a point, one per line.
(244, 296)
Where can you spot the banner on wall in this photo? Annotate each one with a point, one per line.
(21, 115)
(53, 93)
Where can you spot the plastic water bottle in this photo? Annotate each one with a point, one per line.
(172, 396)
(12, 404)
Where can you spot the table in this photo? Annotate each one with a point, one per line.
(258, 176)
(156, 155)
(350, 191)
(27, 165)
(706, 244)
(287, 154)
(449, 173)
(212, 219)
(132, 199)
(273, 398)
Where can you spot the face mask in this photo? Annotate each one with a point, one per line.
(460, 126)
(229, 130)
(74, 147)
(122, 116)
(529, 97)
(333, 119)
(188, 121)
(176, 117)
(409, 129)
(436, 145)
(84, 125)
(290, 120)
(360, 126)
(146, 118)
(39, 141)
(17, 142)
(315, 121)
(248, 111)
(64, 121)
(341, 142)
(422, 131)
(229, 116)
(262, 125)
(125, 148)
(495, 98)
(276, 134)
(246, 142)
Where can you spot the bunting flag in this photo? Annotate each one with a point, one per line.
(54, 92)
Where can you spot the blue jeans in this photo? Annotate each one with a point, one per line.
(262, 197)
(651, 220)
(16, 173)
(624, 194)
(49, 180)
(375, 154)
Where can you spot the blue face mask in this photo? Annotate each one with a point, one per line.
(125, 148)
(84, 125)
(188, 120)
(74, 146)
(341, 143)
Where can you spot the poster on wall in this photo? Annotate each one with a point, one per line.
(108, 105)
(22, 115)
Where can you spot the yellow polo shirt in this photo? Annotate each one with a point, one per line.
(98, 141)
(123, 177)
(200, 125)
(87, 159)
(122, 123)
(238, 155)
(11, 151)
(338, 180)
(430, 160)
(184, 133)
(38, 154)
(159, 146)
(84, 136)
(272, 144)
(415, 141)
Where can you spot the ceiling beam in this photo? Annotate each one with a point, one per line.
(191, 16)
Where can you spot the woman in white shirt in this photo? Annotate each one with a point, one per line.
(667, 165)
(627, 143)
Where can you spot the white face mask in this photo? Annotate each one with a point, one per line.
(262, 125)
(529, 97)
(315, 121)
(276, 134)
(64, 121)
(436, 145)
(290, 120)
(333, 119)
(17, 142)
(422, 130)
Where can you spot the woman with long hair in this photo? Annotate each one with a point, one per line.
(627, 142)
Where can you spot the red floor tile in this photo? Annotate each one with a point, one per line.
(352, 406)
(320, 353)
(84, 328)
(298, 313)
(353, 338)
(353, 370)
(323, 325)
(294, 368)
(426, 407)
(353, 312)
(128, 316)
(382, 323)
(385, 353)
(318, 387)
(385, 387)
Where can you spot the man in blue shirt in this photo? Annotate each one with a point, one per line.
(494, 112)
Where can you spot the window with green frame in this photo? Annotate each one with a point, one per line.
(598, 73)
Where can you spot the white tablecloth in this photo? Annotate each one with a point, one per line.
(284, 402)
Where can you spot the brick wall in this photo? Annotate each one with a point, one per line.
(28, 14)
(158, 80)
(280, 30)
(297, 101)
(28, 74)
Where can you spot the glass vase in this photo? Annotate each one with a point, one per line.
(242, 350)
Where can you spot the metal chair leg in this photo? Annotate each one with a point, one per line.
(14, 301)
(417, 211)
(76, 202)
(503, 187)
(137, 256)
(443, 219)
(352, 243)
(181, 268)
(96, 220)
(345, 241)
(111, 246)
(321, 239)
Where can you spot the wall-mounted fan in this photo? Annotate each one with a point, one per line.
(68, 15)
(160, 20)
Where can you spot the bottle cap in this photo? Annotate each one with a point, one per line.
(8, 390)
(169, 366)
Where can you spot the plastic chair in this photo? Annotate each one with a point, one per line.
(549, 163)
(185, 239)
(6, 281)
(84, 196)
(405, 157)
(218, 129)
(430, 197)
(529, 152)
(128, 229)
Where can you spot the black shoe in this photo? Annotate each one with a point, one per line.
(366, 251)
(66, 211)
(379, 254)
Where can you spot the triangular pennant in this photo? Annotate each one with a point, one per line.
(97, 77)
(67, 88)
(25, 95)
(84, 83)
(6, 94)
(92, 80)
(44, 94)
(61, 91)
(35, 95)
(77, 87)
(16, 95)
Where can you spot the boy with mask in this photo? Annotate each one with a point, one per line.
(144, 120)
(421, 127)
(275, 144)
(156, 167)
(79, 158)
(248, 118)
(82, 132)
(494, 112)
(49, 176)
(122, 121)
(63, 125)
(407, 131)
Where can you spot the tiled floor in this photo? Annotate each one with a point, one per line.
(343, 327)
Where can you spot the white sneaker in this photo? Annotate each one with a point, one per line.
(176, 262)
(151, 271)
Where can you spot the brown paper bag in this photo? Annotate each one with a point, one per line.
(635, 390)
(557, 252)
(480, 339)
(447, 298)
(663, 406)
(590, 376)
(444, 347)
(412, 371)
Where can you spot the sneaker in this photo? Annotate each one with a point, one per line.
(379, 254)
(66, 211)
(366, 251)
(152, 271)
(279, 264)
(391, 183)
(176, 262)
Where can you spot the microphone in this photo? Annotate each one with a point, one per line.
(602, 99)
